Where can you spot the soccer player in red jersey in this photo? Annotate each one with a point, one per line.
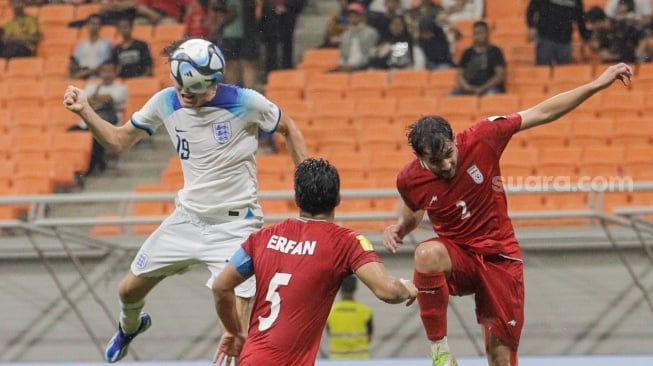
(454, 179)
(299, 264)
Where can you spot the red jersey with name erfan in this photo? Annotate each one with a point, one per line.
(471, 208)
(299, 266)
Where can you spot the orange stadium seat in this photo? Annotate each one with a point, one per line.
(286, 84)
(520, 55)
(25, 97)
(350, 165)
(565, 77)
(168, 32)
(22, 68)
(367, 84)
(589, 109)
(56, 15)
(561, 161)
(298, 110)
(172, 176)
(637, 161)
(407, 83)
(322, 86)
(319, 59)
(622, 104)
(331, 113)
(497, 105)
(633, 131)
(601, 161)
(381, 138)
(74, 147)
(57, 67)
(441, 82)
(106, 230)
(592, 131)
(513, 30)
(31, 146)
(274, 166)
(339, 139)
(387, 164)
(374, 112)
(460, 111)
(567, 201)
(144, 32)
(496, 11)
(82, 11)
(5, 122)
(528, 79)
(142, 86)
(518, 162)
(410, 109)
(28, 120)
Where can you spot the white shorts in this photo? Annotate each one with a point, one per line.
(183, 241)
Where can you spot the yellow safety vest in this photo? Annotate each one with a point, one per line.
(348, 324)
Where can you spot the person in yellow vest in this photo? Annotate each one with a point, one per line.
(349, 325)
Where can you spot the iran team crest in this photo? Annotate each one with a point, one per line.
(475, 173)
(222, 131)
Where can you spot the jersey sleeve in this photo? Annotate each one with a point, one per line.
(404, 190)
(358, 251)
(497, 131)
(150, 117)
(264, 113)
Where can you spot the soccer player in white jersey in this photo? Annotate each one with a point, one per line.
(214, 128)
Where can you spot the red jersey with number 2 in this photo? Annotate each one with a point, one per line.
(299, 267)
(471, 208)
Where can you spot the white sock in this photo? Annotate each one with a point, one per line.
(440, 345)
(130, 316)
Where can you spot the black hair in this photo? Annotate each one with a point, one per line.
(349, 284)
(481, 23)
(429, 135)
(595, 14)
(317, 186)
(172, 47)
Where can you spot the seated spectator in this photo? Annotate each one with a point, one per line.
(161, 11)
(204, 19)
(132, 55)
(90, 53)
(21, 34)
(457, 10)
(358, 42)
(381, 20)
(640, 10)
(112, 11)
(336, 26)
(424, 9)
(107, 97)
(613, 40)
(277, 26)
(432, 50)
(379, 6)
(482, 68)
(395, 51)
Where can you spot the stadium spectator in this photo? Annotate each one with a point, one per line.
(453, 179)
(613, 40)
(381, 20)
(550, 25)
(107, 97)
(90, 53)
(423, 9)
(350, 325)
(286, 274)
(112, 11)
(457, 10)
(204, 20)
(336, 26)
(240, 43)
(379, 6)
(277, 28)
(482, 68)
(432, 50)
(132, 55)
(358, 42)
(161, 11)
(639, 9)
(395, 50)
(218, 207)
(21, 34)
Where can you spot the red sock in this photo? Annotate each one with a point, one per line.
(433, 300)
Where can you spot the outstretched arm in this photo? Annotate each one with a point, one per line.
(294, 138)
(394, 234)
(563, 103)
(384, 286)
(114, 139)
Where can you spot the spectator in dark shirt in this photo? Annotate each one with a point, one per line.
(482, 68)
(432, 51)
(550, 26)
(132, 55)
(381, 21)
(613, 40)
(277, 27)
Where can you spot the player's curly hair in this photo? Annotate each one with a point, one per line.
(317, 186)
(429, 135)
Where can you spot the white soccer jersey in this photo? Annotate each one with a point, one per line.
(217, 144)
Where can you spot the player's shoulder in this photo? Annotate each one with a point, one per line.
(410, 171)
(232, 97)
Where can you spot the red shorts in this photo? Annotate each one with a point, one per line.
(498, 286)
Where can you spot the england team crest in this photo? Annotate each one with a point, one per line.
(222, 131)
(475, 173)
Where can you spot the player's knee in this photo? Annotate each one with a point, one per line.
(501, 360)
(432, 256)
